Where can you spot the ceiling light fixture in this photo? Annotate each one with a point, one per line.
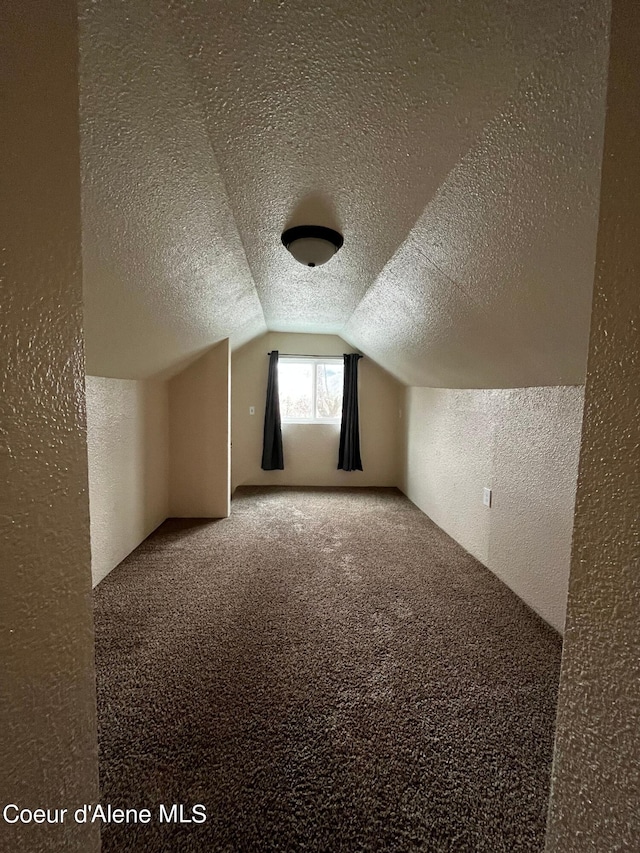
(312, 245)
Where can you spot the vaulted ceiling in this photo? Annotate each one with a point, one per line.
(455, 145)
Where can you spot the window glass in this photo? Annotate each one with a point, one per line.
(329, 389)
(310, 389)
(295, 381)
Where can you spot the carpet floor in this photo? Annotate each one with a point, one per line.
(326, 670)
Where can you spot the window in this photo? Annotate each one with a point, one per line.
(310, 389)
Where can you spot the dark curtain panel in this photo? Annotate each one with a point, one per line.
(349, 455)
(272, 456)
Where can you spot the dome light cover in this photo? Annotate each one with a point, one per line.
(312, 245)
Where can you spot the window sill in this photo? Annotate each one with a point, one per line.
(326, 422)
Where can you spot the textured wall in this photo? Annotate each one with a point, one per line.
(311, 450)
(491, 286)
(199, 437)
(128, 447)
(595, 802)
(523, 443)
(48, 743)
(165, 270)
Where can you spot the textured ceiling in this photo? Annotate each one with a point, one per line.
(456, 146)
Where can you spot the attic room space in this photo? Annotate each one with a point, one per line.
(463, 175)
(465, 281)
(340, 557)
(465, 278)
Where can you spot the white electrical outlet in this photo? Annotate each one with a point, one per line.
(252, 410)
(486, 497)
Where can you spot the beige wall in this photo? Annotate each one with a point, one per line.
(522, 443)
(595, 801)
(311, 450)
(48, 741)
(128, 449)
(199, 434)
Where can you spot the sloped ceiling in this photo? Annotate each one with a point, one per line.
(455, 145)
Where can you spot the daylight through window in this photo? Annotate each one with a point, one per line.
(310, 389)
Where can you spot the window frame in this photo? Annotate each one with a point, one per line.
(314, 360)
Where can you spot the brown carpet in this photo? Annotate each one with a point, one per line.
(325, 670)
